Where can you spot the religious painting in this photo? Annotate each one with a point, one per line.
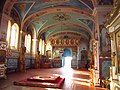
(62, 41)
(48, 53)
(52, 41)
(2, 56)
(67, 41)
(103, 38)
(77, 42)
(118, 49)
(84, 55)
(72, 41)
(57, 41)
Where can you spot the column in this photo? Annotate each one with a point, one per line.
(20, 42)
(3, 27)
(96, 71)
(34, 46)
(78, 56)
(114, 57)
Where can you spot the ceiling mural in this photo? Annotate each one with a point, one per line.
(105, 2)
(43, 4)
(88, 22)
(54, 1)
(79, 32)
(49, 17)
(61, 17)
(23, 8)
(88, 3)
(23, 5)
(39, 24)
(49, 13)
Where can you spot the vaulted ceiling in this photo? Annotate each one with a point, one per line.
(57, 18)
(51, 17)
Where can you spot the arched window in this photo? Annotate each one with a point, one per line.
(43, 46)
(8, 32)
(28, 42)
(12, 35)
(40, 46)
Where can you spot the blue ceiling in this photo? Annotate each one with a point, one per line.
(28, 7)
(80, 22)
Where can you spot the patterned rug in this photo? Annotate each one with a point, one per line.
(42, 81)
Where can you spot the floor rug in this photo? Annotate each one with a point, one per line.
(50, 79)
(40, 81)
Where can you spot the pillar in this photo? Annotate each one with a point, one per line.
(3, 27)
(78, 56)
(96, 70)
(34, 46)
(113, 56)
(34, 51)
(20, 39)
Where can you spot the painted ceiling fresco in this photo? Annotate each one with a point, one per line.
(35, 5)
(53, 16)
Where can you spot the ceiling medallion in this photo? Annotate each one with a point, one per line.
(62, 17)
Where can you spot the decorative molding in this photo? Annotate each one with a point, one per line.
(65, 42)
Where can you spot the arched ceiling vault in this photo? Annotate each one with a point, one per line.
(68, 27)
(49, 17)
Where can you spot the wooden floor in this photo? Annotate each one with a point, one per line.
(74, 79)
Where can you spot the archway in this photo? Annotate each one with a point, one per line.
(66, 58)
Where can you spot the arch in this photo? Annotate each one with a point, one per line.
(70, 24)
(43, 12)
(67, 52)
(13, 36)
(67, 57)
(8, 6)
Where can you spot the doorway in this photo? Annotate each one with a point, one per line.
(66, 58)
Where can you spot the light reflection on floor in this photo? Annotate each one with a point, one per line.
(78, 79)
(74, 79)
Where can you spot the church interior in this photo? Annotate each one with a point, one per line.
(59, 44)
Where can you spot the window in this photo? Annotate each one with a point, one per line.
(43, 46)
(12, 35)
(8, 32)
(40, 46)
(28, 42)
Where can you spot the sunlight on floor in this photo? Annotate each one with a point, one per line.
(82, 83)
(68, 73)
(81, 72)
(68, 62)
(81, 79)
(67, 70)
(52, 89)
